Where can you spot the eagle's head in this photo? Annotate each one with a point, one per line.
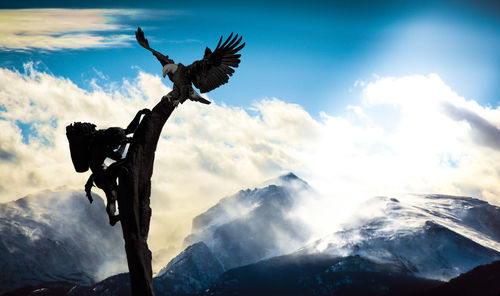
(169, 68)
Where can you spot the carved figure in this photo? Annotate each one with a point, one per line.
(207, 74)
(90, 148)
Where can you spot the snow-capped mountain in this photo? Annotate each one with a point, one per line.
(434, 236)
(388, 247)
(193, 270)
(250, 244)
(57, 236)
(254, 223)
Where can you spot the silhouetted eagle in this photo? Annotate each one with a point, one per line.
(206, 74)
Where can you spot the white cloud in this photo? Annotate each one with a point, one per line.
(397, 139)
(409, 143)
(55, 29)
(206, 151)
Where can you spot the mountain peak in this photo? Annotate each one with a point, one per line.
(287, 180)
(289, 176)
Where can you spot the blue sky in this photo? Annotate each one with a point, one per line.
(309, 53)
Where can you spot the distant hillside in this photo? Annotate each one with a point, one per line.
(483, 280)
(57, 236)
(249, 244)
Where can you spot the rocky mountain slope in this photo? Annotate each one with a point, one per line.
(434, 236)
(255, 223)
(57, 236)
(249, 244)
(319, 275)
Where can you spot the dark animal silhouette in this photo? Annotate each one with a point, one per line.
(90, 148)
(207, 74)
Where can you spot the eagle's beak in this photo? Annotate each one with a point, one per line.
(165, 71)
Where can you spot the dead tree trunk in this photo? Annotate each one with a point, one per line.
(134, 190)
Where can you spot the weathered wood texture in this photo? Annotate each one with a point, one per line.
(134, 190)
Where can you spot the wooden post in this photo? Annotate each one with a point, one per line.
(134, 190)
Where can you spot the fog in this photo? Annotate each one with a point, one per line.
(396, 138)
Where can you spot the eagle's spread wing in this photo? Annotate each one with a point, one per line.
(215, 67)
(139, 35)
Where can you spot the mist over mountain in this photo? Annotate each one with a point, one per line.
(254, 223)
(193, 270)
(57, 236)
(434, 236)
(253, 243)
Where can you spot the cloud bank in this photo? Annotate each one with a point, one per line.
(56, 29)
(401, 136)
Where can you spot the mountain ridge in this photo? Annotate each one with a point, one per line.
(56, 236)
(451, 245)
(389, 245)
(259, 213)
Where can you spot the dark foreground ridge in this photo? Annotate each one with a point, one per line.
(483, 280)
(311, 275)
(286, 275)
(319, 275)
